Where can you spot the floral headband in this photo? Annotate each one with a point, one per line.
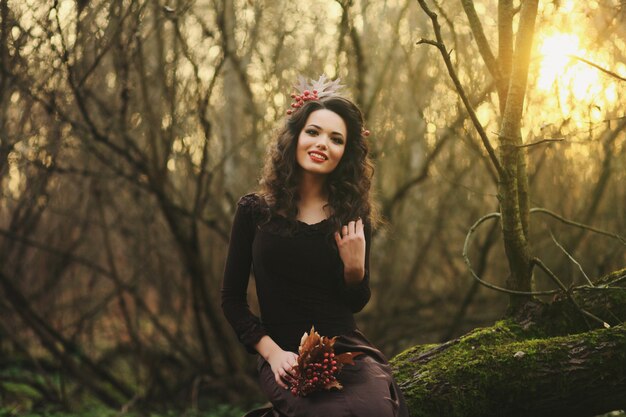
(309, 90)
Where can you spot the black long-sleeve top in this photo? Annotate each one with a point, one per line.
(298, 274)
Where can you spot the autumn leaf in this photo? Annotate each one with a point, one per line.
(318, 366)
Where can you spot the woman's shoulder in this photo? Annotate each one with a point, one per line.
(249, 200)
(253, 202)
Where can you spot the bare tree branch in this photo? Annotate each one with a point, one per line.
(457, 83)
(576, 224)
(571, 258)
(604, 70)
(482, 43)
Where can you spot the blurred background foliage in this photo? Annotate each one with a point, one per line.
(130, 128)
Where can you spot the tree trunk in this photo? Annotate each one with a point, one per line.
(513, 187)
(544, 361)
(511, 77)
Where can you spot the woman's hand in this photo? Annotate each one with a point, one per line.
(351, 244)
(282, 363)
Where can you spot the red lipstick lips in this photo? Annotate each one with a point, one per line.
(318, 156)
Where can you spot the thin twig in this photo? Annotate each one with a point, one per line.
(439, 44)
(466, 246)
(608, 282)
(540, 264)
(528, 144)
(602, 287)
(571, 258)
(475, 275)
(429, 42)
(482, 43)
(604, 70)
(618, 280)
(540, 142)
(583, 226)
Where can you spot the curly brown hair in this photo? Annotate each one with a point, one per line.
(348, 186)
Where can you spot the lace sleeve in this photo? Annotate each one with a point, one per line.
(247, 326)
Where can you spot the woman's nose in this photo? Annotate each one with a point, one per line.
(321, 141)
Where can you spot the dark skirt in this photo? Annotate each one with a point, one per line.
(368, 388)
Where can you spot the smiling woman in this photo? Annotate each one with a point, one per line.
(307, 237)
(321, 143)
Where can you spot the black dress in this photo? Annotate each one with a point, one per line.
(299, 282)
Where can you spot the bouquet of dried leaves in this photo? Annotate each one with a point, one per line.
(318, 366)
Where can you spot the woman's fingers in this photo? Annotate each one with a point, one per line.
(279, 380)
(359, 226)
(353, 227)
(282, 364)
(285, 373)
(294, 361)
(283, 378)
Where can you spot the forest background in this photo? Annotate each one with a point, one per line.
(130, 128)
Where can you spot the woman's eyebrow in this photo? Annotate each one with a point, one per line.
(316, 126)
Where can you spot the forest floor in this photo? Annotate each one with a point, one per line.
(219, 411)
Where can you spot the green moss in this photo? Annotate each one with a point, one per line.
(463, 377)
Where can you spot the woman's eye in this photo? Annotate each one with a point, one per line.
(338, 140)
(311, 132)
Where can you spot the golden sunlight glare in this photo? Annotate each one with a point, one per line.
(559, 69)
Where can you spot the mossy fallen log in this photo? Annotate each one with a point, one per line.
(549, 360)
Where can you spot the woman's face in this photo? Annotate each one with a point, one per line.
(321, 142)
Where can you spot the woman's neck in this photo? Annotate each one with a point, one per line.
(312, 207)
(312, 188)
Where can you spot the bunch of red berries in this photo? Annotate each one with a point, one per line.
(318, 375)
(299, 99)
(318, 365)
